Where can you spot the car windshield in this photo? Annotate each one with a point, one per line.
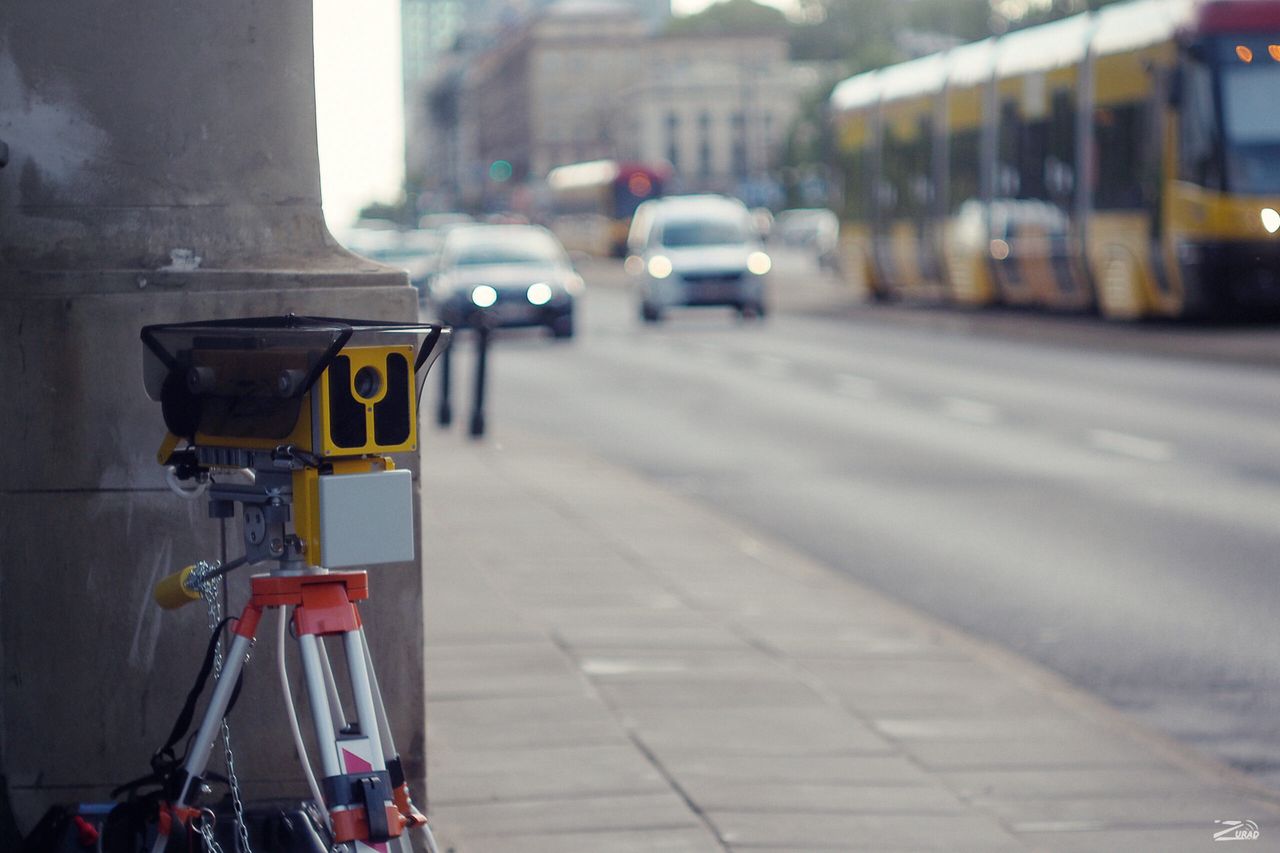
(1252, 126)
(504, 249)
(703, 232)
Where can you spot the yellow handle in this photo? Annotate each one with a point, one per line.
(172, 592)
(167, 447)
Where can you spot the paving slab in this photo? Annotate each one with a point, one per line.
(662, 810)
(568, 772)
(1176, 840)
(520, 722)
(816, 729)
(656, 840)
(792, 797)
(883, 832)
(509, 669)
(701, 772)
(614, 668)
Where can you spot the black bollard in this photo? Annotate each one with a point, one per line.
(444, 412)
(477, 408)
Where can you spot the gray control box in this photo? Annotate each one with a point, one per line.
(366, 518)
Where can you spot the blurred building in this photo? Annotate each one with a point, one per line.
(444, 42)
(717, 109)
(429, 31)
(593, 79)
(551, 94)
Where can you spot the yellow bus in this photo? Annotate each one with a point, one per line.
(1125, 161)
(592, 203)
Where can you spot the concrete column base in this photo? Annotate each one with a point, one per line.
(92, 673)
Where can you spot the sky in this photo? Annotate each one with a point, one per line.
(359, 102)
(690, 7)
(359, 105)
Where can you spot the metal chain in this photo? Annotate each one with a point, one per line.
(210, 590)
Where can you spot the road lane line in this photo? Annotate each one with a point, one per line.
(1135, 446)
(970, 411)
(857, 387)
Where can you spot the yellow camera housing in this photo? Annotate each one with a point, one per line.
(330, 388)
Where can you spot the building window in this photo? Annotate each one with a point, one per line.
(704, 144)
(739, 144)
(673, 139)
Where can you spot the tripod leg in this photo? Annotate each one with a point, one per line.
(202, 744)
(318, 696)
(400, 789)
(404, 801)
(331, 684)
(356, 784)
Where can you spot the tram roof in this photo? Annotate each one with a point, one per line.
(915, 77)
(1138, 24)
(1114, 29)
(971, 64)
(856, 92)
(1044, 48)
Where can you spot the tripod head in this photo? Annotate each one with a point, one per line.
(297, 416)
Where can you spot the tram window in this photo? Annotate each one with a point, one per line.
(897, 172)
(964, 184)
(922, 182)
(1197, 140)
(1119, 143)
(1009, 154)
(857, 202)
(1035, 139)
(1058, 172)
(906, 171)
(1251, 127)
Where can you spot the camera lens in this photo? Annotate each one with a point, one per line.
(289, 381)
(201, 380)
(368, 382)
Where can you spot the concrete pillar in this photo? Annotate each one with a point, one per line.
(162, 167)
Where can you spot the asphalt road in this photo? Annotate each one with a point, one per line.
(1105, 506)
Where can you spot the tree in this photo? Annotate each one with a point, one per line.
(867, 34)
(732, 17)
(1019, 14)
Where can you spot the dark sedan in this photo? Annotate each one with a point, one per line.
(505, 276)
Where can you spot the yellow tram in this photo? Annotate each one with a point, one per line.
(1125, 160)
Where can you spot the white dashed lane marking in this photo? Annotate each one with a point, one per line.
(1134, 446)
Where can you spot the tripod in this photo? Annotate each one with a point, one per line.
(364, 793)
(368, 799)
(305, 408)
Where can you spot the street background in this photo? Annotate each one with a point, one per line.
(682, 595)
(1100, 498)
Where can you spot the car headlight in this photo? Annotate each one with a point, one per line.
(1270, 220)
(483, 296)
(759, 263)
(539, 293)
(660, 266)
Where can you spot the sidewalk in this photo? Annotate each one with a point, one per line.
(614, 669)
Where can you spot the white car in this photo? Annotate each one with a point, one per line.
(696, 250)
